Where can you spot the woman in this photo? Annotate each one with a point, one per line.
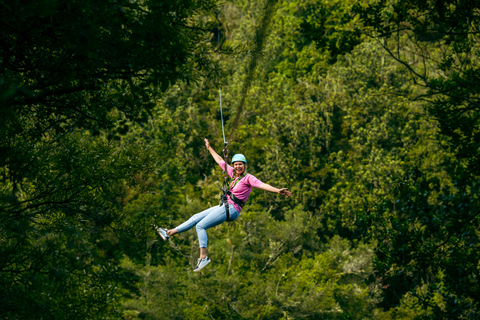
(240, 189)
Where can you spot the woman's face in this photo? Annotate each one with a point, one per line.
(239, 167)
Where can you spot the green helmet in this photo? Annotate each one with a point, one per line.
(239, 157)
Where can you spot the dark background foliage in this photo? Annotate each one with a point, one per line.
(366, 111)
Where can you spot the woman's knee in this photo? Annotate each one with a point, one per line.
(200, 227)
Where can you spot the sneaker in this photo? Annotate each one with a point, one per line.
(201, 264)
(162, 233)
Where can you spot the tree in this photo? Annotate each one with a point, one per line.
(428, 245)
(277, 260)
(72, 74)
(442, 39)
(70, 63)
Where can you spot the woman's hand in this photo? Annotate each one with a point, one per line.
(282, 191)
(285, 192)
(215, 155)
(207, 144)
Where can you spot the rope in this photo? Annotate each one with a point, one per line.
(221, 112)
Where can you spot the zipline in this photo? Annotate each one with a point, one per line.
(260, 36)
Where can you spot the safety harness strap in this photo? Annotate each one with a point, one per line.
(234, 183)
(224, 200)
(239, 202)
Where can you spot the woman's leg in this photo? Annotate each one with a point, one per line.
(204, 220)
(203, 253)
(190, 223)
(214, 218)
(171, 232)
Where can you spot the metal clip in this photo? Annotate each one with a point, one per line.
(225, 150)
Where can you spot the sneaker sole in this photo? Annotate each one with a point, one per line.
(198, 269)
(160, 234)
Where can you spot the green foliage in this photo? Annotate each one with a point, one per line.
(432, 33)
(109, 55)
(331, 25)
(73, 75)
(324, 286)
(436, 208)
(366, 111)
(52, 228)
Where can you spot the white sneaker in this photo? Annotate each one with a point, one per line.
(201, 264)
(162, 233)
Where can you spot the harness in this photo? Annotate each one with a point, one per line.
(224, 201)
(239, 202)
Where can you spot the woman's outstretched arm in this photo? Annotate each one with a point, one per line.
(282, 191)
(215, 155)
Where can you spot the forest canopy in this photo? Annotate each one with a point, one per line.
(368, 111)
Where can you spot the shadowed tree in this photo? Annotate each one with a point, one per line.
(72, 73)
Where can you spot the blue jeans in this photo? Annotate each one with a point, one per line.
(207, 219)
